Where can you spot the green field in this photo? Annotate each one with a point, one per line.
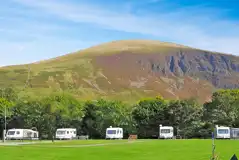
(121, 150)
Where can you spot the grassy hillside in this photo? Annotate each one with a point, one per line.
(129, 70)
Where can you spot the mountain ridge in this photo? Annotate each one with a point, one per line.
(166, 44)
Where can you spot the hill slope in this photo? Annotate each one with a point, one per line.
(129, 70)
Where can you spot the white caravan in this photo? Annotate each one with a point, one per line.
(114, 133)
(66, 133)
(234, 133)
(222, 132)
(20, 134)
(166, 132)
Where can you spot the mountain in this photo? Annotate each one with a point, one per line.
(129, 70)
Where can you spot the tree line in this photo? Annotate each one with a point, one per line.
(189, 118)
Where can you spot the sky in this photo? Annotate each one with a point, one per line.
(32, 30)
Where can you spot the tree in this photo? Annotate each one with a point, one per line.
(149, 114)
(5, 110)
(185, 116)
(223, 109)
(102, 114)
(60, 110)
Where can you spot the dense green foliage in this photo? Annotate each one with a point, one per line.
(188, 117)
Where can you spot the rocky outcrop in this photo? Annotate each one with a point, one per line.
(221, 70)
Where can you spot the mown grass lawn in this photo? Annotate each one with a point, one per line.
(120, 150)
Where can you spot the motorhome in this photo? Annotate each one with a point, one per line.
(165, 132)
(222, 132)
(114, 133)
(66, 133)
(20, 134)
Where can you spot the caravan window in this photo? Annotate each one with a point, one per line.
(18, 132)
(29, 134)
(222, 131)
(165, 130)
(11, 133)
(67, 132)
(60, 132)
(111, 132)
(74, 132)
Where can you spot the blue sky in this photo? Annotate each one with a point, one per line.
(33, 30)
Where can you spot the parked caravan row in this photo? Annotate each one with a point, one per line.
(165, 132)
(223, 132)
(22, 134)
